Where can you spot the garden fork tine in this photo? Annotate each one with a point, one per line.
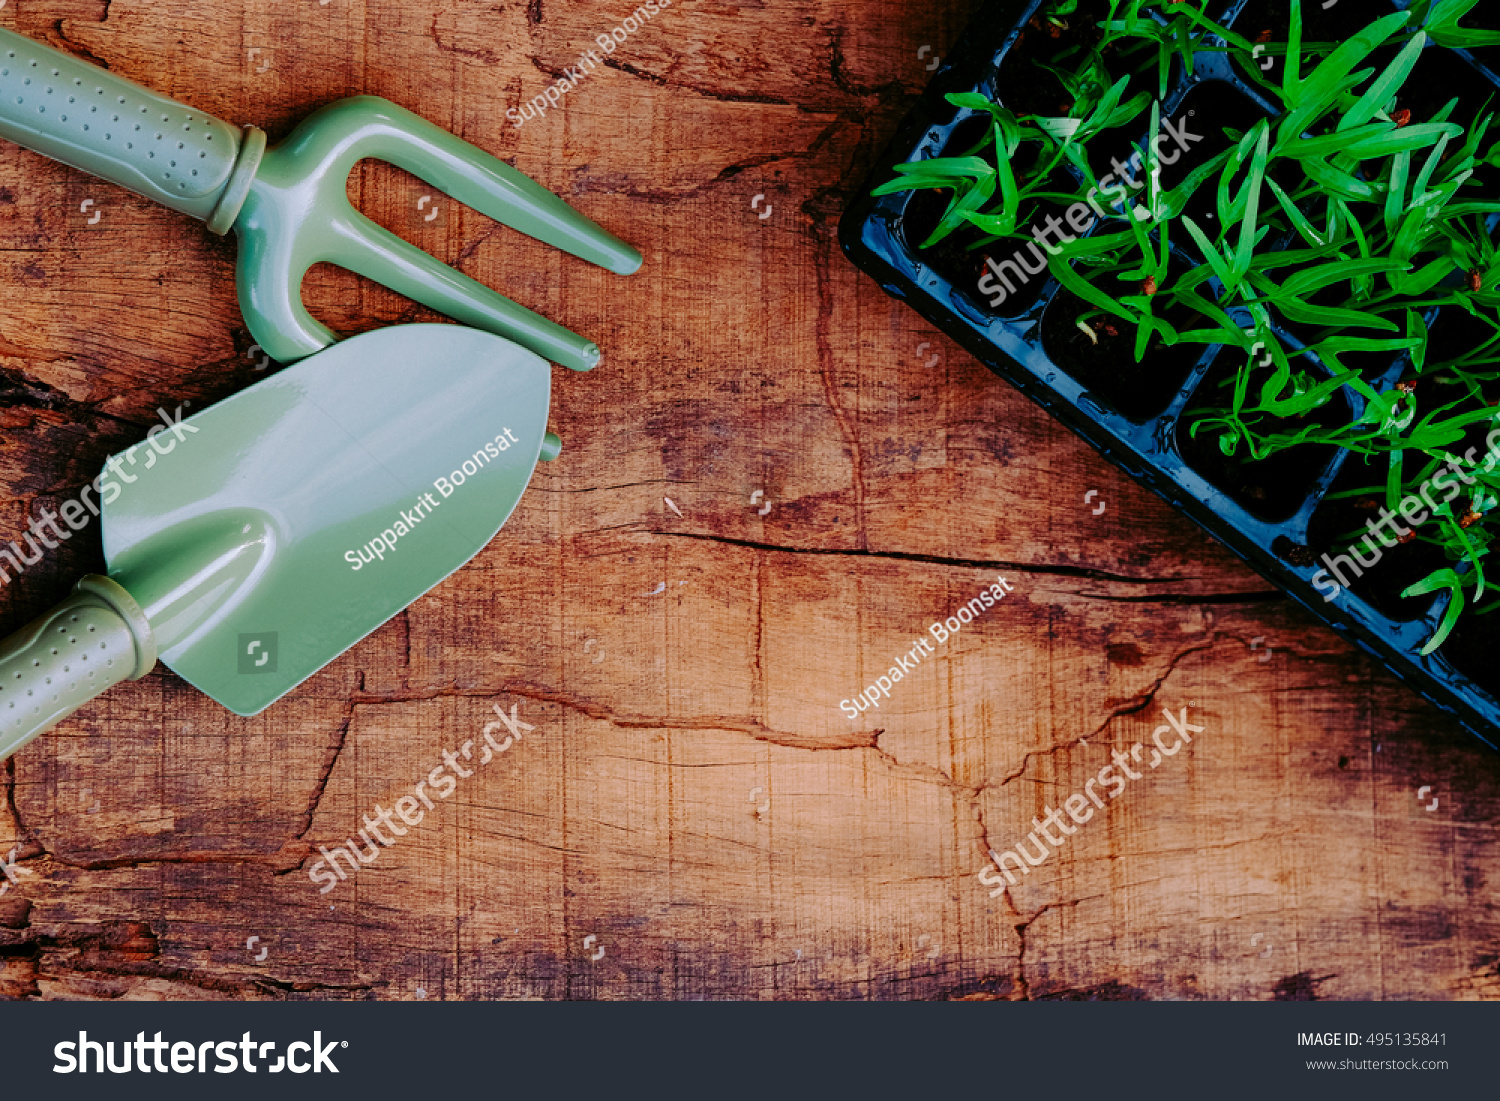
(289, 205)
(379, 255)
(297, 213)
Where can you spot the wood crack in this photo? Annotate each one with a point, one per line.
(17, 388)
(1132, 706)
(10, 799)
(1083, 572)
(114, 863)
(751, 727)
(827, 365)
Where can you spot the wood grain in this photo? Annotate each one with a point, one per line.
(692, 796)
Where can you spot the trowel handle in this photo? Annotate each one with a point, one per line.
(79, 114)
(86, 645)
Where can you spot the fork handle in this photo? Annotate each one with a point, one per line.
(103, 124)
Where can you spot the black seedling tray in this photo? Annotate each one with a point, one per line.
(1279, 527)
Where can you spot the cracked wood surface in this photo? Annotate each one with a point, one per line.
(692, 797)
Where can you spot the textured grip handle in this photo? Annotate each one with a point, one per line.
(111, 127)
(82, 648)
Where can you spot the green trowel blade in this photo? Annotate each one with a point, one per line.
(269, 533)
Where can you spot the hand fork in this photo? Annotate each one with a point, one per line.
(288, 205)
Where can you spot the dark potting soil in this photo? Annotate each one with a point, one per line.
(965, 267)
(1439, 76)
(956, 258)
(1339, 522)
(1270, 21)
(1455, 333)
(1340, 296)
(1138, 391)
(1015, 270)
(1488, 56)
(1475, 641)
(961, 266)
(1208, 111)
(1028, 89)
(1374, 367)
(959, 258)
(950, 257)
(1274, 488)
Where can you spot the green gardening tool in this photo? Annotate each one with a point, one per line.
(288, 205)
(250, 545)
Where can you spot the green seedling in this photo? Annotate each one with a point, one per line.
(1385, 223)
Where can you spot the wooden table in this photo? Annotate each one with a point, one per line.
(776, 481)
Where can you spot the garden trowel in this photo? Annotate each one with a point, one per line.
(289, 205)
(251, 544)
